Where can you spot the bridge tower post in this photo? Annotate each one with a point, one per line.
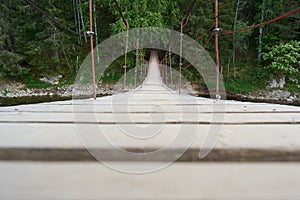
(90, 33)
(217, 48)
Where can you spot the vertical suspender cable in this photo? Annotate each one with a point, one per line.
(92, 48)
(183, 24)
(136, 62)
(170, 58)
(217, 48)
(127, 35)
(166, 66)
(141, 66)
(180, 56)
(126, 49)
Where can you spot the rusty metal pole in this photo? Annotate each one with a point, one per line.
(180, 56)
(217, 48)
(170, 58)
(136, 62)
(125, 59)
(166, 66)
(92, 49)
(141, 65)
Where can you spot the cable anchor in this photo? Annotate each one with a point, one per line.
(217, 30)
(89, 33)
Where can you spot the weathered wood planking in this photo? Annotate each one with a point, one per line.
(252, 127)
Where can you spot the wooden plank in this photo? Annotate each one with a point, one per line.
(147, 108)
(153, 117)
(231, 136)
(157, 116)
(201, 181)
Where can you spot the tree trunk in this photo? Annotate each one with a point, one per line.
(82, 20)
(261, 32)
(76, 18)
(233, 38)
(78, 22)
(96, 32)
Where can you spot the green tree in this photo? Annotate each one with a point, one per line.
(283, 59)
(269, 34)
(9, 59)
(45, 47)
(145, 13)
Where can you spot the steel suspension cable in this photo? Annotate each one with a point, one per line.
(217, 14)
(213, 22)
(263, 23)
(204, 48)
(121, 13)
(51, 18)
(190, 10)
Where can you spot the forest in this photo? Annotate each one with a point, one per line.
(47, 37)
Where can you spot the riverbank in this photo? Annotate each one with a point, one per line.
(14, 93)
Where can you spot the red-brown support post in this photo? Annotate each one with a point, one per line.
(217, 48)
(136, 62)
(180, 56)
(126, 49)
(92, 49)
(166, 66)
(141, 65)
(170, 58)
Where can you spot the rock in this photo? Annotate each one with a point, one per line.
(52, 80)
(279, 94)
(290, 100)
(272, 84)
(282, 82)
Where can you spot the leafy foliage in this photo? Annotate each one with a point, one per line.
(284, 59)
(145, 13)
(31, 45)
(10, 60)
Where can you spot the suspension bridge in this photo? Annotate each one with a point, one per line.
(49, 150)
(184, 147)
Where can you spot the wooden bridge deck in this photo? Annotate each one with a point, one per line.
(256, 152)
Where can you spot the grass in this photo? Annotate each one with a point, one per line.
(33, 82)
(293, 88)
(241, 86)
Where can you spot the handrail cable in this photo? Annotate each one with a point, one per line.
(122, 15)
(213, 22)
(204, 48)
(51, 18)
(263, 23)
